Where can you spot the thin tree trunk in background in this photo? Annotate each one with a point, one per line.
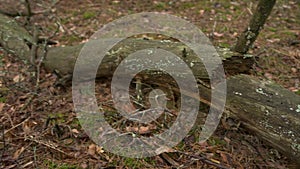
(258, 20)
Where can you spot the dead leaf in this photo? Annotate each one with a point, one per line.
(268, 75)
(99, 149)
(92, 149)
(228, 140)
(164, 149)
(26, 128)
(203, 144)
(273, 40)
(75, 131)
(216, 34)
(84, 165)
(1, 106)
(141, 130)
(18, 78)
(95, 149)
(18, 153)
(201, 12)
(68, 141)
(225, 157)
(294, 70)
(144, 130)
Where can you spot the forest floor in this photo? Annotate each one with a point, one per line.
(39, 128)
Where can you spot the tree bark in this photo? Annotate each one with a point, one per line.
(257, 22)
(271, 112)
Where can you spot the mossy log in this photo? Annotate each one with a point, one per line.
(264, 108)
(268, 110)
(18, 41)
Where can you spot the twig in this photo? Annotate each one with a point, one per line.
(16, 126)
(9, 118)
(203, 159)
(50, 145)
(28, 10)
(4, 143)
(33, 50)
(27, 164)
(34, 157)
(41, 59)
(169, 160)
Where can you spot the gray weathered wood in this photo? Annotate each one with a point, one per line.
(268, 110)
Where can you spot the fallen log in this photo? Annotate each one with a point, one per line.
(18, 41)
(268, 110)
(264, 108)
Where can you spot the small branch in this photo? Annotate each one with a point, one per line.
(6, 131)
(4, 143)
(34, 45)
(170, 160)
(41, 59)
(203, 159)
(49, 144)
(28, 10)
(13, 14)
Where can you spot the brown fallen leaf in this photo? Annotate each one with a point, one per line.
(18, 153)
(18, 78)
(75, 131)
(95, 149)
(216, 34)
(141, 130)
(1, 106)
(92, 149)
